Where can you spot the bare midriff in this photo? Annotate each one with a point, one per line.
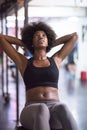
(41, 93)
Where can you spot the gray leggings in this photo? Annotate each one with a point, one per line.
(47, 115)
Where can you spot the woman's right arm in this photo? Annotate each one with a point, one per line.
(6, 44)
(11, 40)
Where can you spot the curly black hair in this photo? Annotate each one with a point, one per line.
(29, 30)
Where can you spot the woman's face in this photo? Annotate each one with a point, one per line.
(40, 39)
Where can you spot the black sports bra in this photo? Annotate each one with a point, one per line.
(41, 76)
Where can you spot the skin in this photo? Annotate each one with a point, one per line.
(40, 42)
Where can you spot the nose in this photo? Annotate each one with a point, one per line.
(40, 36)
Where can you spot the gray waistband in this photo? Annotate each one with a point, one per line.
(43, 101)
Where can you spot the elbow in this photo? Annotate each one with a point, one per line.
(75, 36)
(1, 36)
(1, 39)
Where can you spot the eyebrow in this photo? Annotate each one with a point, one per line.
(40, 31)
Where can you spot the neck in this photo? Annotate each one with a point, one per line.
(40, 57)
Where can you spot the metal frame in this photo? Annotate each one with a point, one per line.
(4, 7)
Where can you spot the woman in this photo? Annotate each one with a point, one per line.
(43, 110)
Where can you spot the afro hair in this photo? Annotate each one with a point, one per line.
(29, 30)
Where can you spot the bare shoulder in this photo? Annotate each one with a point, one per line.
(22, 64)
(57, 60)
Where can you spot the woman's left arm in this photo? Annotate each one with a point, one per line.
(63, 39)
(68, 42)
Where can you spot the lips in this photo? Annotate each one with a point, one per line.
(41, 41)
